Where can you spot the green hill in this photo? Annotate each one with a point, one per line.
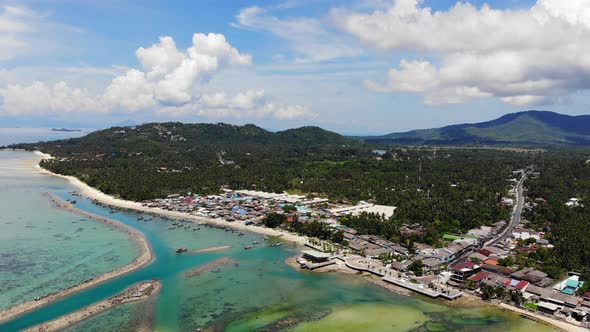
(196, 141)
(523, 128)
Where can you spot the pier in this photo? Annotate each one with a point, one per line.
(388, 275)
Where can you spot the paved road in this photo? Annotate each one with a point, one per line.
(515, 218)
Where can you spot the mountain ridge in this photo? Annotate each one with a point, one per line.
(522, 128)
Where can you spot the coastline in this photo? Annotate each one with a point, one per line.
(467, 300)
(137, 292)
(144, 258)
(98, 195)
(93, 193)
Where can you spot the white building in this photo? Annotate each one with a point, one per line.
(361, 207)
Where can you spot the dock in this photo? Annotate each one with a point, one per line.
(388, 275)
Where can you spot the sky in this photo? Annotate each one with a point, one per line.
(355, 67)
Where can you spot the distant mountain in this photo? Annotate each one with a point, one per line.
(523, 128)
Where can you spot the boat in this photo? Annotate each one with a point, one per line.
(240, 234)
(278, 244)
(255, 242)
(171, 228)
(196, 228)
(181, 250)
(248, 247)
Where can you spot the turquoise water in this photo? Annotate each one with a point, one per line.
(256, 290)
(43, 249)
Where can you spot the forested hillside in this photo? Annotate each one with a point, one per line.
(452, 190)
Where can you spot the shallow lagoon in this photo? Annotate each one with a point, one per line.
(256, 291)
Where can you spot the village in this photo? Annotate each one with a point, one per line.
(479, 263)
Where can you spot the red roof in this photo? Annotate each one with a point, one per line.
(464, 265)
(586, 295)
(479, 276)
(491, 261)
(521, 285)
(485, 252)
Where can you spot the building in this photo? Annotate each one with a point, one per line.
(573, 202)
(497, 269)
(525, 234)
(384, 210)
(316, 256)
(461, 272)
(548, 308)
(529, 274)
(478, 277)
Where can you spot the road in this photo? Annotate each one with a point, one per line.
(516, 214)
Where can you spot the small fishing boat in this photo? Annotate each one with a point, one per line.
(276, 244)
(255, 242)
(171, 228)
(248, 247)
(181, 250)
(240, 234)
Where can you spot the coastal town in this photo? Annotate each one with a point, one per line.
(479, 263)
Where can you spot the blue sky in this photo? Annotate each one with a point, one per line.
(361, 67)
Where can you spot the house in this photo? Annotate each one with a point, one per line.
(493, 280)
(432, 264)
(506, 201)
(478, 277)
(491, 261)
(565, 299)
(497, 269)
(525, 234)
(536, 293)
(573, 202)
(477, 256)
(548, 308)
(522, 285)
(461, 272)
(529, 274)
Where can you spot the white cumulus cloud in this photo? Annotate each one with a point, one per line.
(43, 98)
(529, 56)
(249, 103)
(170, 81)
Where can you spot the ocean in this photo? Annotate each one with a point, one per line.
(33, 135)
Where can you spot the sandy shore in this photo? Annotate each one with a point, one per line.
(565, 326)
(212, 249)
(98, 195)
(208, 267)
(134, 293)
(145, 257)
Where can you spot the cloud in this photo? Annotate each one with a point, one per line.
(250, 103)
(170, 81)
(309, 38)
(13, 22)
(40, 98)
(527, 56)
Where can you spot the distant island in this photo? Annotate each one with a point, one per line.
(65, 130)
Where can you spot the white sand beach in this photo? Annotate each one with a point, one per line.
(98, 195)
